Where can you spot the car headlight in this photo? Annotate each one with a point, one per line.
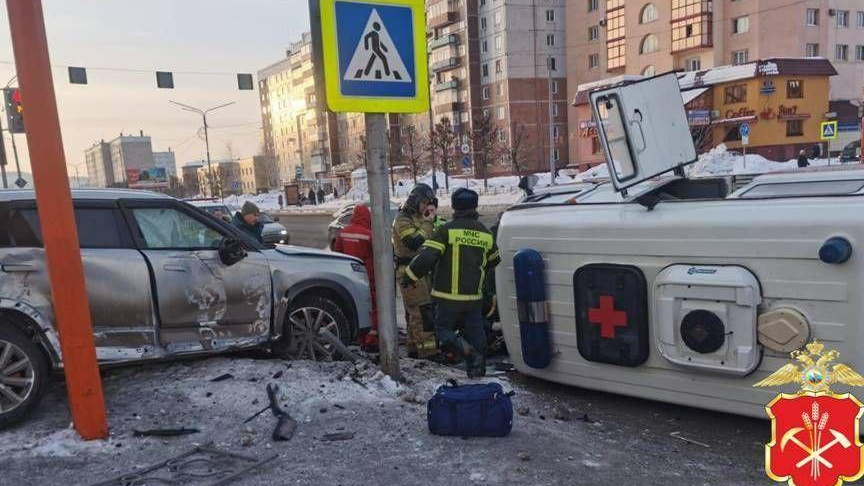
(283, 232)
(360, 269)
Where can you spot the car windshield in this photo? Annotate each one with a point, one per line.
(265, 218)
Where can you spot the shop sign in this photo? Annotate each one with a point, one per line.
(790, 113)
(740, 112)
(768, 87)
(699, 117)
(587, 128)
(768, 69)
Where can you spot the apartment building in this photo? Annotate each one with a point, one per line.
(608, 38)
(227, 178)
(258, 174)
(166, 160)
(189, 171)
(100, 172)
(296, 130)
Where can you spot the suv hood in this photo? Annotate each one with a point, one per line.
(301, 251)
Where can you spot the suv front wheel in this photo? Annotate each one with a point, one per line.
(23, 375)
(306, 318)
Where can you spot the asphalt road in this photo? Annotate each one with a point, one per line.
(311, 229)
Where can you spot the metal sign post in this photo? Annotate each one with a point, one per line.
(744, 131)
(374, 61)
(827, 132)
(59, 233)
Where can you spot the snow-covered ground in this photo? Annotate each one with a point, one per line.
(503, 191)
(561, 436)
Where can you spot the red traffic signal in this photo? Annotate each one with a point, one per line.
(14, 110)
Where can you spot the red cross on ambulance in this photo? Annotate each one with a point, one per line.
(607, 317)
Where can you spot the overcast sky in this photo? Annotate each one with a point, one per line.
(196, 36)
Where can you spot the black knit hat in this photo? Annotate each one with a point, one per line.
(464, 199)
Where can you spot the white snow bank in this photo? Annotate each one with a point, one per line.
(721, 161)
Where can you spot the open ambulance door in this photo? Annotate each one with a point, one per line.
(643, 129)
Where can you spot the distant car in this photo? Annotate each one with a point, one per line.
(273, 232)
(851, 153)
(342, 218)
(165, 280)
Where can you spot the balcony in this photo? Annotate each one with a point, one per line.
(443, 20)
(450, 107)
(452, 84)
(445, 64)
(447, 40)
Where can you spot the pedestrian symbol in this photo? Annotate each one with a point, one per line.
(374, 55)
(829, 130)
(376, 58)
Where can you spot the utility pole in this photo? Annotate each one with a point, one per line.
(203, 114)
(551, 123)
(3, 158)
(385, 278)
(431, 131)
(59, 232)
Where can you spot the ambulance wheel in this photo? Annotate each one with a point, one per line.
(24, 374)
(301, 337)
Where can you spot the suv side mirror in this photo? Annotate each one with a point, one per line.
(231, 251)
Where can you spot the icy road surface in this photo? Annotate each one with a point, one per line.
(561, 436)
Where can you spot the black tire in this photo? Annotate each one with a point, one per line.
(301, 341)
(15, 348)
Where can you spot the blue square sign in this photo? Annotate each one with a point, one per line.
(371, 52)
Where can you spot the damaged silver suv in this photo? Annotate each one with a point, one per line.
(165, 279)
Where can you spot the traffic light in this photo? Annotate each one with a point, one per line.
(14, 110)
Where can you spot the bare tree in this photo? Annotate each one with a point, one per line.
(361, 157)
(270, 172)
(229, 150)
(518, 148)
(486, 138)
(442, 142)
(412, 151)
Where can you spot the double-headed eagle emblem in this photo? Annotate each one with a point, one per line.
(814, 371)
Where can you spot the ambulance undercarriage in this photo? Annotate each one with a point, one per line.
(675, 289)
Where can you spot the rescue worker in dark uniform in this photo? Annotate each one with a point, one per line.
(461, 252)
(411, 228)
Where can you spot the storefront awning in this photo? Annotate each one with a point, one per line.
(736, 120)
(692, 94)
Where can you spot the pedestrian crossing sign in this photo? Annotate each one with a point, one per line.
(829, 130)
(375, 55)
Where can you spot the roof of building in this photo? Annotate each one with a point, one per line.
(80, 194)
(724, 74)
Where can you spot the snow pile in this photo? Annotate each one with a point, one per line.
(62, 443)
(721, 161)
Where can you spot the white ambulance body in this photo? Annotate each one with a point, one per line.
(676, 289)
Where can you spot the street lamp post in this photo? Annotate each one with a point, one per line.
(203, 114)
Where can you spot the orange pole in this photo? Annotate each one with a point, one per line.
(54, 200)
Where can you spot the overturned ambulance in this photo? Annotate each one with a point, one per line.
(684, 290)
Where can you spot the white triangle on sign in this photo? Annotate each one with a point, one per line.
(828, 131)
(376, 57)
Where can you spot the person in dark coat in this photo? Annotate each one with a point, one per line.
(312, 196)
(320, 195)
(248, 221)
(802, 159)
(281, 202)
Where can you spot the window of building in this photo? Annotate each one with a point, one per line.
(484, 93)
(733, 134)
(498, 68)
(550, 39)
(555, 131)
(555, 85)
(556, 155)
(616, 45)
(649, 14)
(550, 16)
(794, 128)
(592, 5)
(593, 33)
(649, 71)
(741, 25)
(649, 44)
(485, 70)
(859, 53)
(554, 109)
(464, 117)
(693, 64)
(498, 43)
(795, 88)
(500, 112)
(593, 61)
(486, 113)
(483, 23)
(740, 57)
(736, 94)
(842, 18)
(497, 18)
(502, 136)
(841, 53)
(595, 145)
(499, 89)
(860, 22)
(812, 17)
(552, 64)
(811, 50)
(484, 46)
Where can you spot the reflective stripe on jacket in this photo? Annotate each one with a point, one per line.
(461, 252)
